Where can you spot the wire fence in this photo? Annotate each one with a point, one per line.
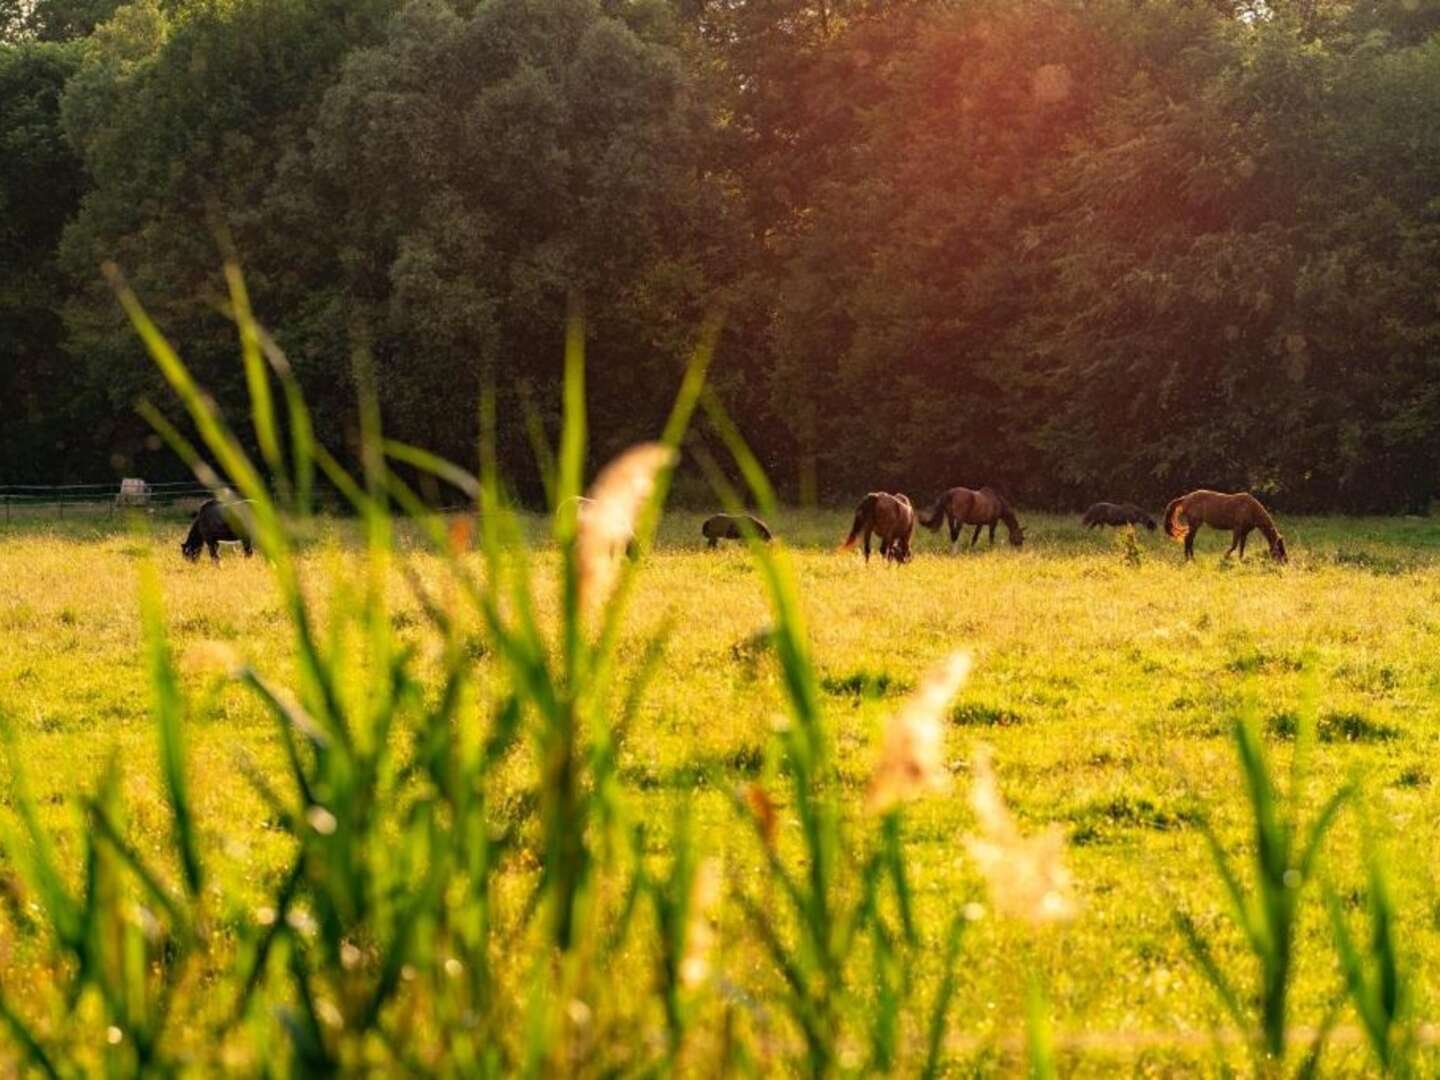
(23, 501)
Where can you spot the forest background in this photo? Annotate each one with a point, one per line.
(1112, 248)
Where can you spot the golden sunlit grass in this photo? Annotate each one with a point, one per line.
(1103, 681)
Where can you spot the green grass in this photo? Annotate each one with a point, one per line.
(1107, 690)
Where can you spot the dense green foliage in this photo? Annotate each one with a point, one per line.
(1099, 250)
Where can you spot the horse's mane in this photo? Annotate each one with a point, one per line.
(1266, 524)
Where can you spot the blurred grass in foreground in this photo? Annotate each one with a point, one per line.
(468, 885)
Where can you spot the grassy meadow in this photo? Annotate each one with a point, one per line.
(1106, 677)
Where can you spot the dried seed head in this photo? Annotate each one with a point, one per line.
(607, 520)
(912, 760)
(1027, 876)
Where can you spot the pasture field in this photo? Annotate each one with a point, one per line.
(1106, 678)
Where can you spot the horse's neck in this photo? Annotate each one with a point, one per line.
(1266, 525)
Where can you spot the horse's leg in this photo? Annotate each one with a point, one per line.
(867, 543)
(214, 546)
(714, 542)
(992, 534)
(975, 536)
(956, 527)
(1190, 541)
(1244, 535)
(248, 547)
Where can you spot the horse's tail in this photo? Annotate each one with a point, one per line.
(864, 513)
(935, 516)
(1174, 518)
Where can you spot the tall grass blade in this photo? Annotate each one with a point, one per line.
(36, 860)
(1039, 1039)
(1376, 980)
(169, 716)
(944, 995)
(257, 379)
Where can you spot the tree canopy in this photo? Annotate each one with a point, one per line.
(1082, 250)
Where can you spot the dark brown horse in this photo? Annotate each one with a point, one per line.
(1240, 513)
(731, 527)
(964, 506)
(891, 517)
(1107, 513)
(218, 523)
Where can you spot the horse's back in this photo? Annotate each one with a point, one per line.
(1222, 509)
(731, 527)
(990, 504)
(893, 512)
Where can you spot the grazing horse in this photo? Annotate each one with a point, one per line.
(1239, 513)
(1106, 513)
(891, 517)
(728, 527)
(218, 523)
(964, 506)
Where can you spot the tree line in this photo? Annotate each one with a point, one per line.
(1079, 248)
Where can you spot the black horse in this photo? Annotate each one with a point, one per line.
(1107, 513)
(218, 523)
(728, 527)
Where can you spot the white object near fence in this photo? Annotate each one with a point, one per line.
(133, 492)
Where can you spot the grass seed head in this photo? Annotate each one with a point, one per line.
(912, 760)
(607, 522)
(1027, 876)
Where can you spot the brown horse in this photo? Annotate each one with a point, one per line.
(963, 506)
(1239, 513)
(891, 517)
(1107, 513)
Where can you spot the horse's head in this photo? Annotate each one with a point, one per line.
(1277, 550)
(189, 550)
(1017, 536)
